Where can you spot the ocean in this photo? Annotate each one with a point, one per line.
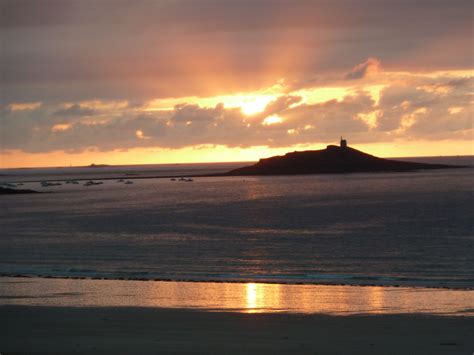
(408, 229)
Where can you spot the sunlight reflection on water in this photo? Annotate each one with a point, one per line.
(239, 297)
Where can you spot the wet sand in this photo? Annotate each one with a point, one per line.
(27, 329)
(93, 316)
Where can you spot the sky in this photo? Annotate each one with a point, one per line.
(177, 81)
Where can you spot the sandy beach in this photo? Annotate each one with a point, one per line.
(26, 329)
(91, 316)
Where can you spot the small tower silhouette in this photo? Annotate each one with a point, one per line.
(343, 143)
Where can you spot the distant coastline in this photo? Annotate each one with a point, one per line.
(98, 166)
(407, 158)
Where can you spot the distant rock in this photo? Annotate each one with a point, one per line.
(98, 166)
(332, 160)
(8, 191)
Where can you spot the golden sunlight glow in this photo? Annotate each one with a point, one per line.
(61, 127)
(251, 293)
(220, 153)
(274, 119)
(318, 95)
(197, 154)
(438, 89)
(375, 299)
(253, 297)
(251, 106)
(370, 118)
(102, 105)
(405, 105)
(24, 106)
(454, 110)
(374, 91)
(252, 103)
(409, 119)
(249, 102)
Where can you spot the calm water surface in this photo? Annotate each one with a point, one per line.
(384, 229)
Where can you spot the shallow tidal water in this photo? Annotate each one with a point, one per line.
(236, 297)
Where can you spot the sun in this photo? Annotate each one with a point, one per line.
(255, 104)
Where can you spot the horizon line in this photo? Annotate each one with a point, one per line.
(105, 165)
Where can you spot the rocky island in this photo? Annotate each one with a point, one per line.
(332, 160)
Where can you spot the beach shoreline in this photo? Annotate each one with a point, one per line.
(250, 297)
(362, 281)
(83, 316)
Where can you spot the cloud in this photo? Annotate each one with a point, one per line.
(280, 105)
(69, 51)
(409, 106)
(370, 66)
(74, 111)
(420, 107)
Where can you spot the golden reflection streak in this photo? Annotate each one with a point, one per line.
(262, 298)
(251, 297)
(376, 299)
(247, 298)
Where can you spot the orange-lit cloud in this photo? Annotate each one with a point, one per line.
(369, 67)
(237, 75)
(60, 127)
(24, 106)
(397, 107)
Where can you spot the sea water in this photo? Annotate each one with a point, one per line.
(381, 228)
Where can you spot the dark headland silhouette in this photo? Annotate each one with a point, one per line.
(332, 160)
(9, 191)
